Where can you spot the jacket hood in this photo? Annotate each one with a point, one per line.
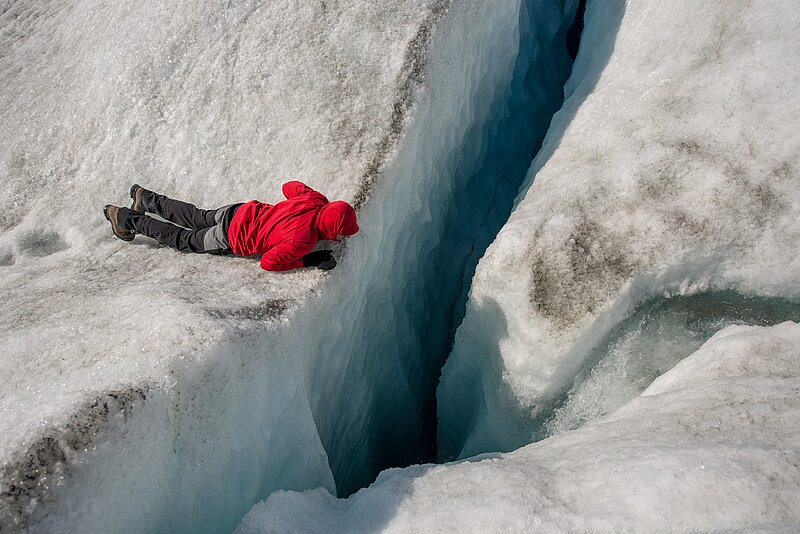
(337, 218)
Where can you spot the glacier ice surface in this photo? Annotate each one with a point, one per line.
(668, 172)
(672, 169)
(668, 179)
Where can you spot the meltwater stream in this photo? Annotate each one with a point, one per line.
(650, 341)
(643, 343)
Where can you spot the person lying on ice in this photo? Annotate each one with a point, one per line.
(284, 233)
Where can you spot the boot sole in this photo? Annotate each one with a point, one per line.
(113, 226)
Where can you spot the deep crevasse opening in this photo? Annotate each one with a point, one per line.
(495, 80)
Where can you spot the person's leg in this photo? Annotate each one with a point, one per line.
(215, 240)
(182, 213)
(163, 232)
(212, 240)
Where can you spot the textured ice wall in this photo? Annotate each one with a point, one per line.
(672, 169)
(710, 446)
(495, 77)
(170, 370)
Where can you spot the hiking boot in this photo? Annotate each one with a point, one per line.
(136, 195)
(111, 216)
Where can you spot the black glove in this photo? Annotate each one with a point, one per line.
(321, 258)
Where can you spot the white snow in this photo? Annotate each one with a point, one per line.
(711, 446)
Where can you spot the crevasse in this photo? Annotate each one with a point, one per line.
(347, 387)
(494, 81)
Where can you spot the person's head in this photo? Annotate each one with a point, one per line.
(337, 220)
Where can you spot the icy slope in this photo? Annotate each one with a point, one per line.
(101, 338)
(205, 104)
(710, 446)
(672, 169)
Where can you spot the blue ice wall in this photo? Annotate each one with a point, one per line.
(493, 82)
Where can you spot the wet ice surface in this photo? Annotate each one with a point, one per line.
(658, 335)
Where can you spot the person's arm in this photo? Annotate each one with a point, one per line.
(284, 257)
(295, 188)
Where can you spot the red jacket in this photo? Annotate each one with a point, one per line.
(287, 231)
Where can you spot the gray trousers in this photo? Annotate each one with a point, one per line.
(194, 229)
